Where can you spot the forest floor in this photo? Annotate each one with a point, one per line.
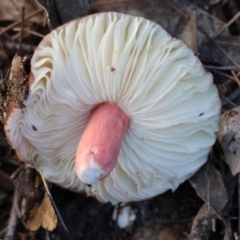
(207, 206)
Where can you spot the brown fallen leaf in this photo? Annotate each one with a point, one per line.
(42, 214)
(189, 33)
(14, 91)
(202, 224)
(11, 10)
(209, 185)
(35, 206)
(229, 138)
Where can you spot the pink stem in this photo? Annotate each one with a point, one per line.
(100, 144)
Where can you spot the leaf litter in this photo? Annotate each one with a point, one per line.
(209, 209)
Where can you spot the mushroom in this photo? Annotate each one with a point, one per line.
(116, 108)
(123, 215)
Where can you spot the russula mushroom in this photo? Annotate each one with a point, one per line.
(116, 107)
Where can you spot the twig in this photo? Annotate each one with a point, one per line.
(18, 22)
(227, 24)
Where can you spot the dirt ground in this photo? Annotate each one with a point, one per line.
(207, 206)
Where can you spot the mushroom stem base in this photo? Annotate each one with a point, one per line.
(100, 143)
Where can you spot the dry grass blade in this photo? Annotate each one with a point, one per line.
(224, 52)
(225, 75)
(30, 32)
(227, 24)
(19, 22)
(235, 77)
(177, 9)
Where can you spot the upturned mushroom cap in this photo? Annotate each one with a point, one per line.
(156, 80)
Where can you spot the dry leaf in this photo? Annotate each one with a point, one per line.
(209, 185)
(202, 224)
(36, 208)
(11, 10)
(229, 138)
(42, 214)
(189, 33)
(15, 89)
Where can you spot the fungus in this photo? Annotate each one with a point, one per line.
(116, 107)
(123, 215)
